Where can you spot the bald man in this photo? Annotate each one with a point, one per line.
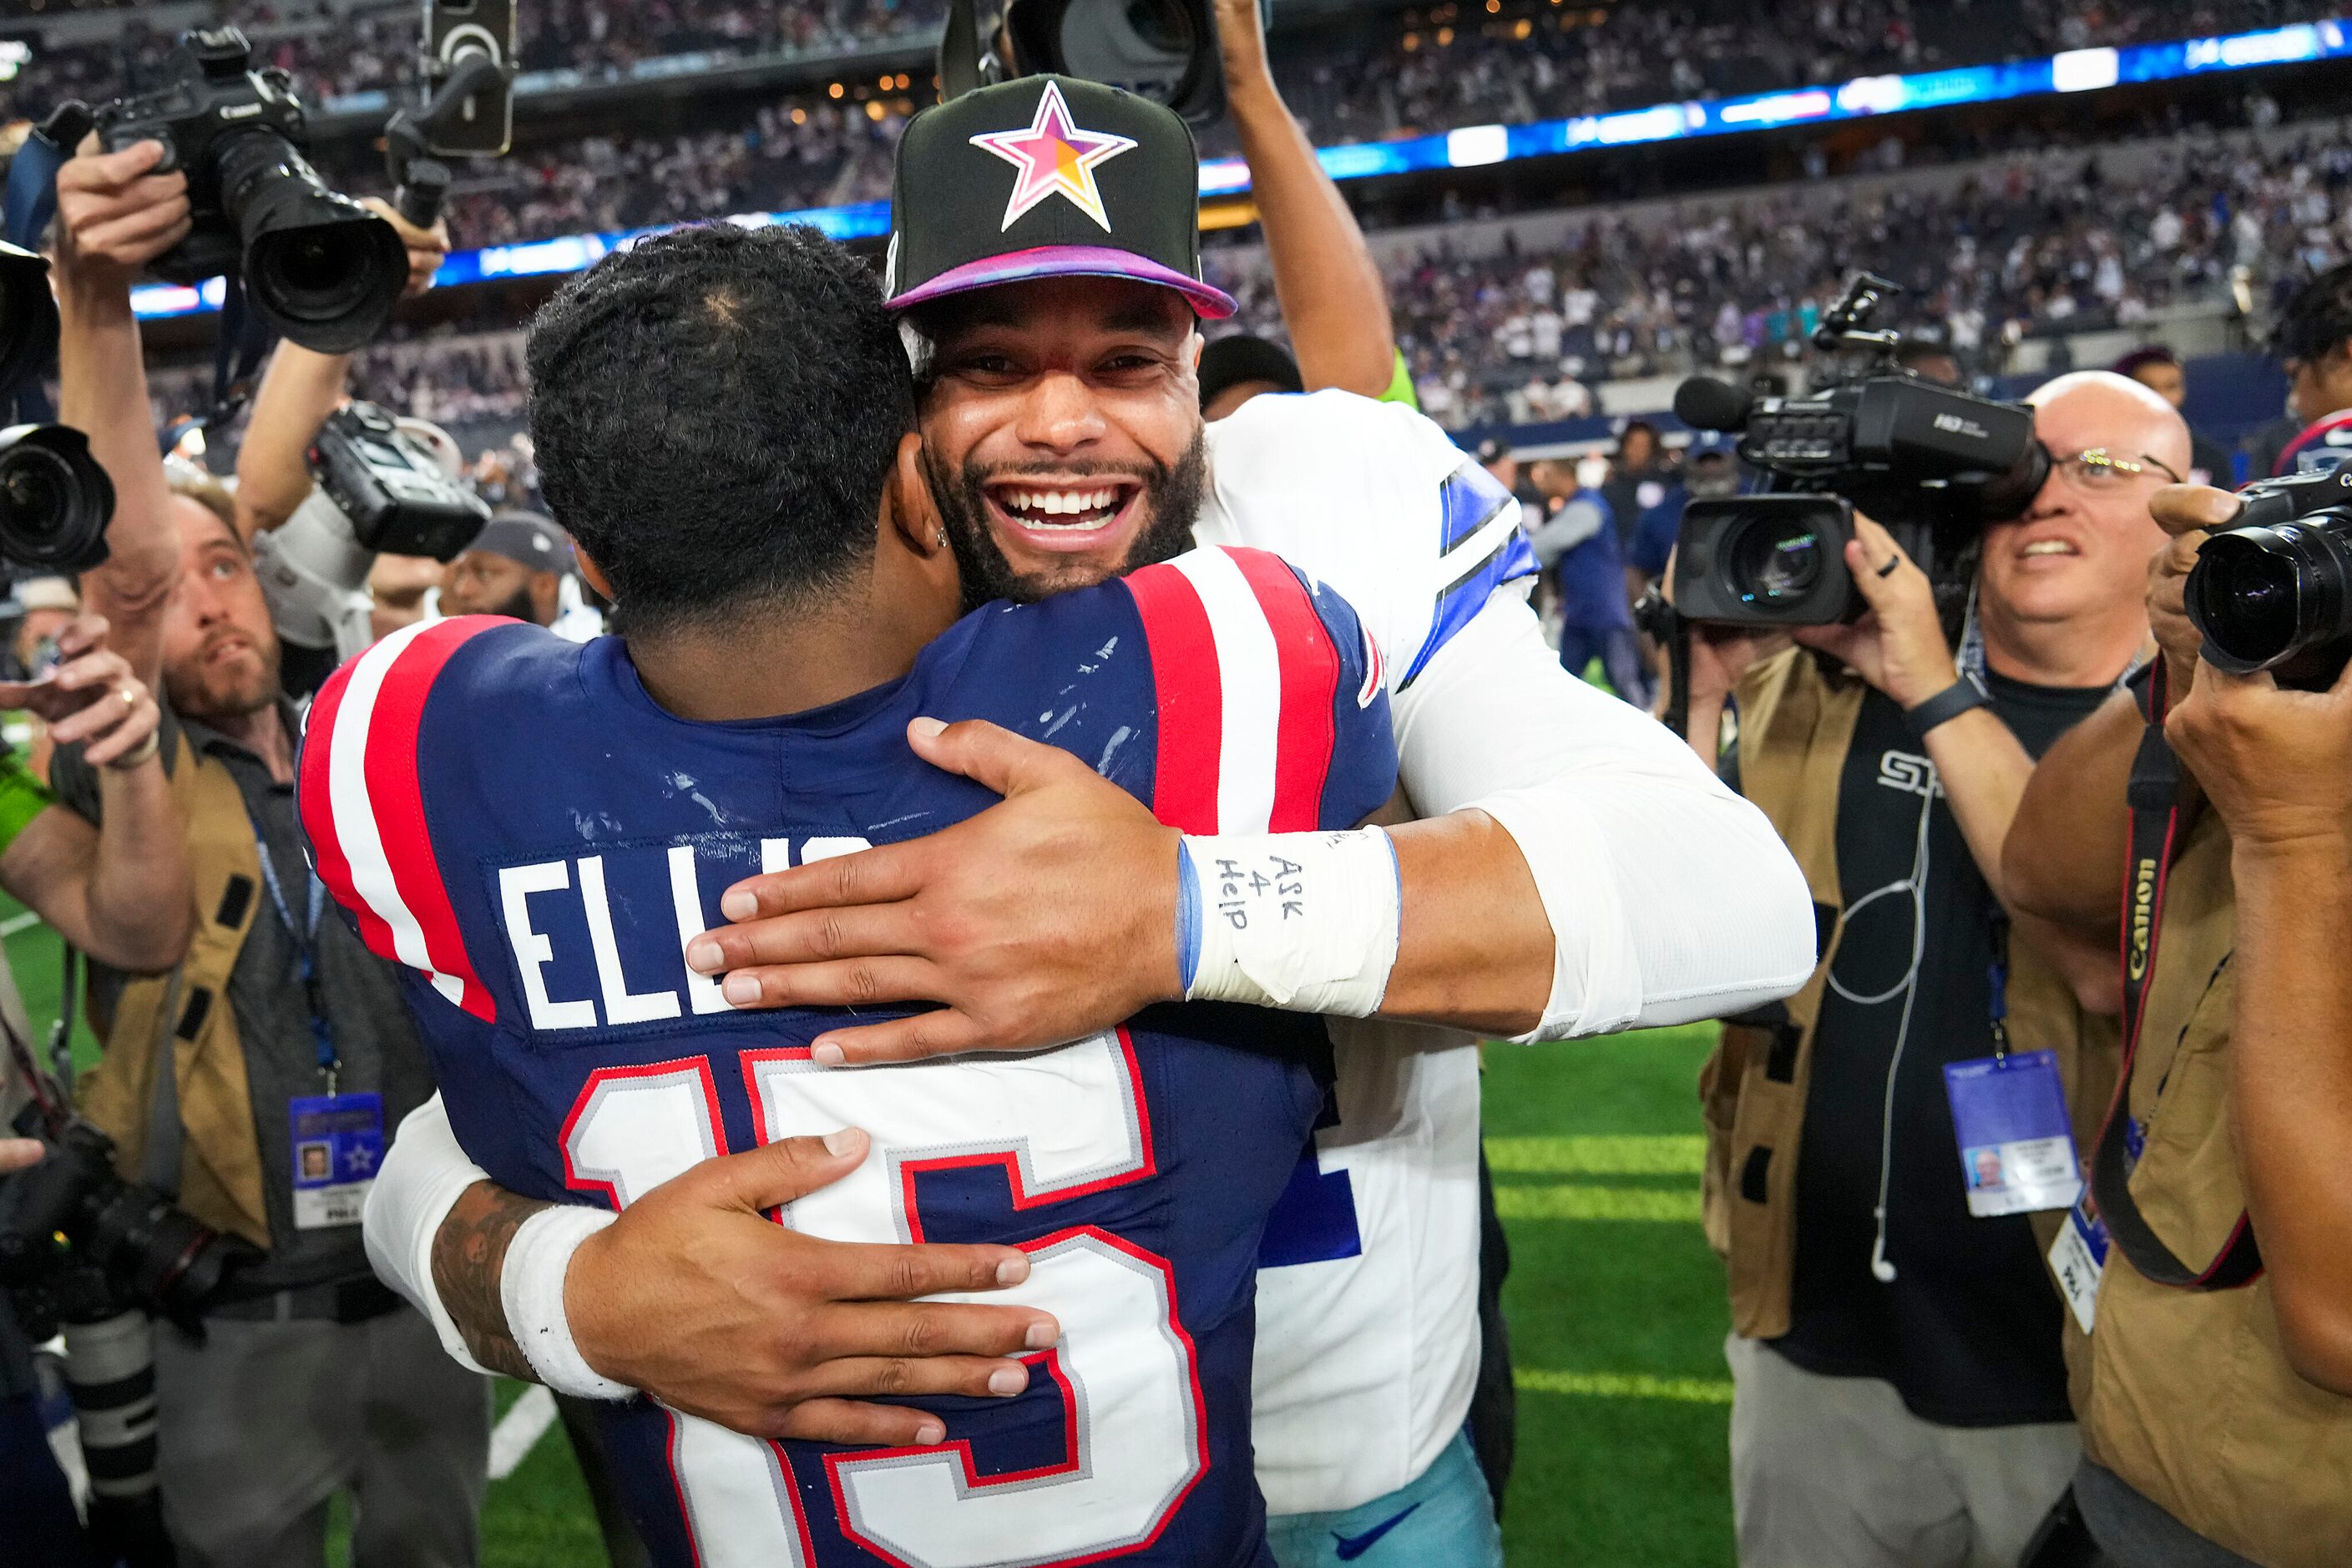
(1899, 1396)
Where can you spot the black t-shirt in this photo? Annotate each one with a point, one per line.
(1968, 1330)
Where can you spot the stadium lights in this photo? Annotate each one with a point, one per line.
(1476, 146)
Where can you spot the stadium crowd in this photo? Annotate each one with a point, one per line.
(2040, 246)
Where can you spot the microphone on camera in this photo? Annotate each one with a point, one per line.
(1704, 402)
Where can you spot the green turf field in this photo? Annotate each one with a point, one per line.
(1616, 1306)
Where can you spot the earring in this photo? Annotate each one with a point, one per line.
(942, 541)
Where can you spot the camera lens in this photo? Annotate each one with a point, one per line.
(55, 500)
(2246, 598)
(1776, 561)
(311, 274)
(318, 265)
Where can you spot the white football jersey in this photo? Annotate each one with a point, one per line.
(1367, 1353)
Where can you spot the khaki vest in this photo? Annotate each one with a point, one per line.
(2190, 1399)
(1796, 726)
(187, 1012)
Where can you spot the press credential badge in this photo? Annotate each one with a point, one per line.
(2017, 1147)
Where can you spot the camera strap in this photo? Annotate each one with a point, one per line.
(243, 342)
(2155, 842)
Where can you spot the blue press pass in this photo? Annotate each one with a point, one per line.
(2017, 1144)
(338, 1146)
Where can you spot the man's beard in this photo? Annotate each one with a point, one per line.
(520, 608)
(1171, 498)
(216, 695)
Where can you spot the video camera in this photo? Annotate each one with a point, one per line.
(2275, 591)
(317, 266)
(1932, 465)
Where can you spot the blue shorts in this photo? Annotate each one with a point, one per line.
(1441, 1519)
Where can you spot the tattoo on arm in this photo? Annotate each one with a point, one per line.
(469, 1255)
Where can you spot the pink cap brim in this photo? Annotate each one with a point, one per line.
(1068, 261)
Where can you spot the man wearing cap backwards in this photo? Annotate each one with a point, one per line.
(1573, 872)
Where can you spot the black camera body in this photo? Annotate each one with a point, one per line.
(391, 488)
(1931, 464)
(2275, 591)
(319, 268)
(125, 1244)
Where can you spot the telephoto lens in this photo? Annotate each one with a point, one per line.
(55, 500)
(319, 266)
(2277, 597)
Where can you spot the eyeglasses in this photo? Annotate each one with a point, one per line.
(2098, 469)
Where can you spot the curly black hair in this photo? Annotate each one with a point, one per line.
(716, 411)
(2317, 320)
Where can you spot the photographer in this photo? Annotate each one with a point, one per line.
(1899, 1394)
(278, 1022)
(2210, 1386)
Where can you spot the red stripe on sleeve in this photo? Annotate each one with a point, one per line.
(1309, 661)
(395, 791)
(317, 806)
(1191, 698)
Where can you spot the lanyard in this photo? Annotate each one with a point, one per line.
(305, 939)
(2155, 833)
(1996, 980)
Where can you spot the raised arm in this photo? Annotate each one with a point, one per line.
(118, 890)
(300, 390)
(1333, 301)
(113, 218)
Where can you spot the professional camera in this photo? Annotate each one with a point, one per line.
(1932, 465)
(391, 488)
(317, 266)
(1165, 50)
(29, 318)
(2274, 592)
(78, 1242)
(88, 1256)
(55, 501)
(380, 490)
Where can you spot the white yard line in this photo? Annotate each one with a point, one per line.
(520, 1430)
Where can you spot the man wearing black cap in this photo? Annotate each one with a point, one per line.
(1237, 368)
(1574, 872)
(516, 566)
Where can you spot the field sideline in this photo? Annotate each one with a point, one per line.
(1616, 1306)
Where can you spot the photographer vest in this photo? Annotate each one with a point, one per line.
(1796, 726)
(2190, 1399)
(170, 1087)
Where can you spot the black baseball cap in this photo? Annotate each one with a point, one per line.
(1047, 176)
(1230, 361)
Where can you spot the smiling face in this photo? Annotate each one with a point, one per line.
(1061, 431)
(220, 649)
(2082, 551)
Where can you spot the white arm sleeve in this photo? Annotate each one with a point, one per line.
(1670, 898)
(419, 1182)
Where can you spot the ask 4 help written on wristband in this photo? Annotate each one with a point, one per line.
(1301, 921)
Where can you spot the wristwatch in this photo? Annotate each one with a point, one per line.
(1946, 706)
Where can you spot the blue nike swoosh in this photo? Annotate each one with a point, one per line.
(1351, 1547)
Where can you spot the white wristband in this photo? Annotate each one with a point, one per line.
(1306, 921)
(530, 1288)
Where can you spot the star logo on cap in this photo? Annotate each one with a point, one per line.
(1056, 158)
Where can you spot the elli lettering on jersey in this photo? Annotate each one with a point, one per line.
(599, 941)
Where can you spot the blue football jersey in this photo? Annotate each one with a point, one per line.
(512, 819)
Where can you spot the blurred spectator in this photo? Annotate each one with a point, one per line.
(1709, 470)
(1637, 478)
(1237, 368)
(2158, 369)
(1577, 544)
